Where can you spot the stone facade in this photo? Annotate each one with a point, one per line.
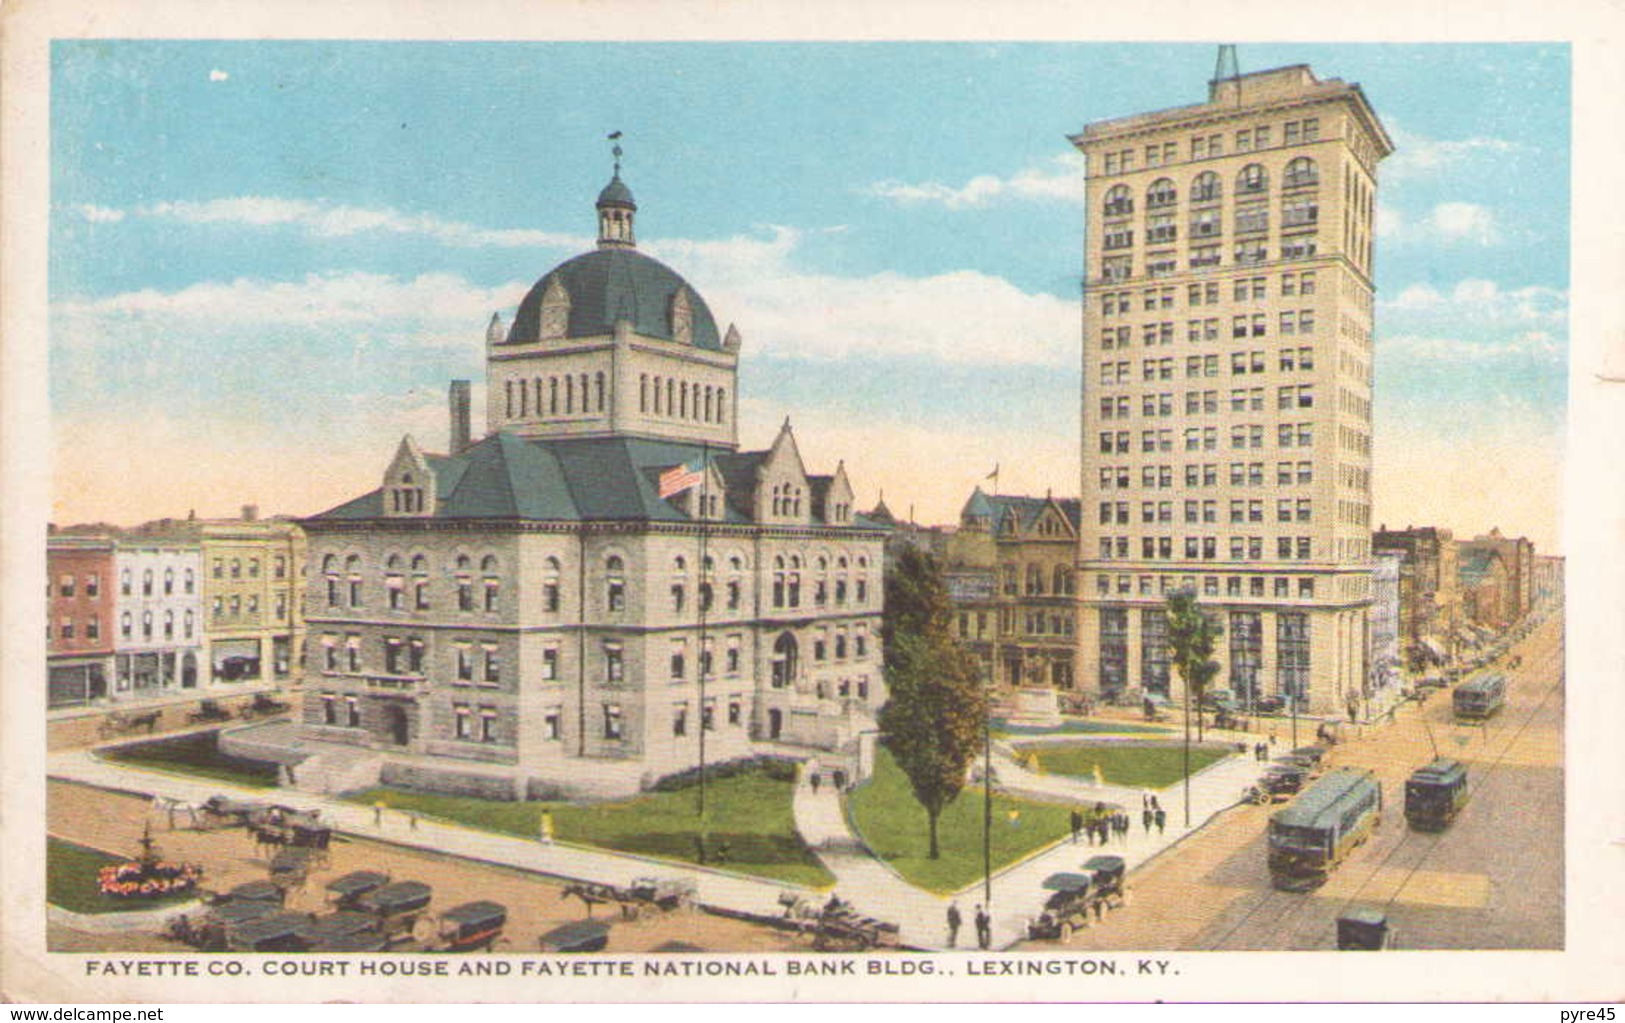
(603, 590)
(1429, 591)
(1227, 384)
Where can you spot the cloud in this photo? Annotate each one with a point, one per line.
(1059, 181)
(1417, 155)
(1530, 346)
(1479, 302)
(99, 214)
(218, 75)
(335, 220)
(1446, 223)
(963, 317)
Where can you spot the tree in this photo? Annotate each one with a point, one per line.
(1192, 634)
(934, 717)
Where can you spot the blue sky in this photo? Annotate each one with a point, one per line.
(268, 258)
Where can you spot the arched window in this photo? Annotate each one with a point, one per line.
(187, 625)
(189, 581)
(615, 583)
(352, 571)
(1062, 583)
(708, 569)
(1119, 201)
(550, 585)
(236, 568)
(1207, 188)
(569, 394)
(394, 582)
(146, 582)
(708, 395)
(1301, 171)
(507, 388)
(785, 657)
(660, 405)
(169, 625)
(1161, 193)
(1035, 581)
(778, 580)
(735, 584)
(552, 396)
(493, 585)
(679, 583)
(643, 392)
(722, 404)
(169, 581)
(330, 574)
(862, 595)
(599, 382)
(1252, 180)
(793, 581)
(821, 582)
(146, 624)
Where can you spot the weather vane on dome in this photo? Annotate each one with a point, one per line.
(614, 136)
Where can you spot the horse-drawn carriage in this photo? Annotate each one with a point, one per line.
(121, 722)
(210, 931)
(264, 705)
(397, 907)
(644, 894)
(279, 932)
(473, 926)
(208, 712)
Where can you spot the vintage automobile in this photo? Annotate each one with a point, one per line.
(580, 936)
(279, 932)
(1269, 705)
(1280, 781)
(1067, 908)
(470, 927)
(1364, 930)
(1107, 873)
(397, 907)
(346, 891)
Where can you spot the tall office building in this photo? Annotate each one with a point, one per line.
(1227, 385)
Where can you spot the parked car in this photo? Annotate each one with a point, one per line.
(1270, 704)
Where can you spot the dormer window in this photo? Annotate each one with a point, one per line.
(682, 317)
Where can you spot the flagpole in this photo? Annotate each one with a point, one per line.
(705, 482)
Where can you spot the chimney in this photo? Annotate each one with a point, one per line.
(251, 512)
(461, 427)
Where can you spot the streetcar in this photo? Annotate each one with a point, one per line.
(1434, 794)
(1308, 839)
(1480, 698)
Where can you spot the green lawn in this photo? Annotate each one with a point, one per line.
(750, 812)
(1003, 730)
(70, 881)
(1133, 765)
(895, 828)
(198, 754)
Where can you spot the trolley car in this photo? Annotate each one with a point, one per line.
(1480, 698)
(1308, 839)
(1434, 794)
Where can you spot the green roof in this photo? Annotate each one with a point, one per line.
(505, 477)
(1325, 799)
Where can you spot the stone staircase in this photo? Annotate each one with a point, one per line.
(332, 771)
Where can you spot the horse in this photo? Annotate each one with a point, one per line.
(169, 806)
(590, 894)
(268, 838)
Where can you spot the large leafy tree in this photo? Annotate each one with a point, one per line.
(1192, 635)
(934, 717)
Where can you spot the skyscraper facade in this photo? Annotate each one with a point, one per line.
(1227, 329)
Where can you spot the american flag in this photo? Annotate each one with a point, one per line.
(678, 479)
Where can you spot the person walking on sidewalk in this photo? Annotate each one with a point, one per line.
(1162, 818)
(1147, 817)
(544, 829)
(815, 782)
(984, 928)
(954, 921)
(1077, 824)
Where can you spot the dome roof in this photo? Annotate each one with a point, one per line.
(616, 192)
(611, 284)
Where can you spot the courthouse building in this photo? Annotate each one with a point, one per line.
(1227, 384)
(604, 589)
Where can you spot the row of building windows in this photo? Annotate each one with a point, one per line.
(1251, 184)
(236, 606)
(1114, 269)
(1197, 367)
(682, 399)
(567, 395)
(1242, 289)
(1060, 581)
(1287, 509)
(1203, 548)
(1245, 639)
(1212, 144)
(1234, 586)
(1290, 323)
(1249, 474)
(219, 567)
(1243, 436)
(1206, 227)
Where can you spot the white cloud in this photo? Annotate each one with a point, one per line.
(1530, 346)
(958, 317)
(99, 214)
(334, 220)
(1479, 301)
(1446, 223)
(1417, 155)
(218, 75)
(1059, 181)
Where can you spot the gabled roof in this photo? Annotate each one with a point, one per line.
(1002, 509)
(570, 480)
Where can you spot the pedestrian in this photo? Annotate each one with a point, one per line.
(984, 928)
(544, 832)
(815, 782)
(1077, 824)
(1147, 817)
(378, 813)
(1162, 818)
(1145, 799)
(953, 924)
(412, 820)
(1155, 805)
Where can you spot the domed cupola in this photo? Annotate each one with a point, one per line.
(616, 210)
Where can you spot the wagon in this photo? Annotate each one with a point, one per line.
(663, 894)
(1106, 874)
(397, 907)
(844, 928)
(1280, 780)
(471, 926)
(263, 705)
(208, 712)
(255, 891)
(281, 932)
(122, 723)
(345, 892)
(289, 867)
(580, 936)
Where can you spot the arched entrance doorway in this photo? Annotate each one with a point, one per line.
(775, 723)
(396, 728)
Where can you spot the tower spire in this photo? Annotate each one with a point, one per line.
(616, 207)
(1226, 67)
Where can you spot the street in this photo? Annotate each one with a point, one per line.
(1494, 879)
